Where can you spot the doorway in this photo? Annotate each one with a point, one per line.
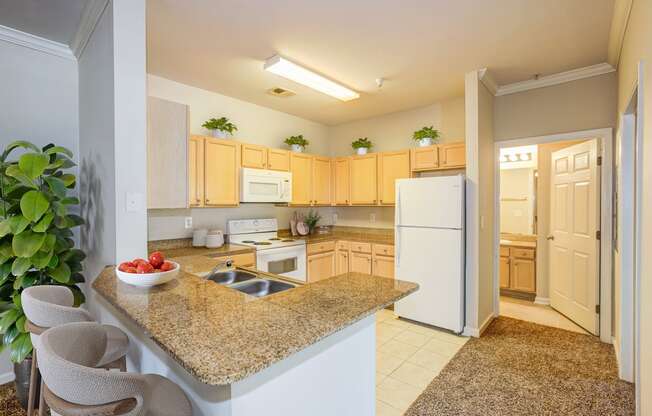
(533, 207)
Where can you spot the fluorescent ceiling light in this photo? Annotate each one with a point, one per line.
(281, 66)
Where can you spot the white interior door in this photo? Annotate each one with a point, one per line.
(574, 223)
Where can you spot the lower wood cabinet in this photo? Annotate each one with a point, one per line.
(321, 266)
(342, 261)
(360, 263)
(383, 266)
(518, 269)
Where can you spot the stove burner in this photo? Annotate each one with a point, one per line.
(287, 241)
(262, 243)
(274, 239)
(248, 241)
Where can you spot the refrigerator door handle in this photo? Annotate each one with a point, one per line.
(398, 226)
(398, 246)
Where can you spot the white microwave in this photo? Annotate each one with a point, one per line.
(260, 185)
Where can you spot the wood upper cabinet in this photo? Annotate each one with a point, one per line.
(452, 155)
(425, 158)
(363, 174)
(504, 272)
(301, 168)
(221, 177)
(196, 171)
(167, 154)
(254, 156)
(341, 181)
(391, 166)
(321, 180)
(321, 266)
(360, 262)
(278, 159)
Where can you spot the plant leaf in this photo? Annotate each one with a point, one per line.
(41, 259)
(78, 295)
(33, 205)
(15, 172)
(58, 149)
(20, 324)
(16, 144)
(8, 318)
(20, 266)
(71, 200)
(57, 186)
(44, 223)
(21, 348)
(61, 273)
(10, 334)
(68, 179)
(33, 164)
(27, 243)
(18, 224)
(5, 227)
(75, 255)
(48, 244)
(5, 271)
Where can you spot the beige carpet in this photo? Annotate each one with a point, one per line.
(9, 406)
(521, 368)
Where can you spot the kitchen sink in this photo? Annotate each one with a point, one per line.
(262, 287)
(230, 277)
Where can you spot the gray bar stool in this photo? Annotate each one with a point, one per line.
(50, 306)
(74, 386)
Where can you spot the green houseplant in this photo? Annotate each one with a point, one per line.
(297, 143)
(36, 238)
(426, 136)
(312, 219)
(362, 145)
(220, 127)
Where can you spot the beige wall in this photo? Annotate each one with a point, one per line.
(394, 131)
(578, 105)
(256, 124)
(517, 200)
(637, 46)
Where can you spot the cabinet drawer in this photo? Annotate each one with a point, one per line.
(383, 250)
(320, 247)
(343, 245)
(522, 253)
(504, 251)
(244, 260)
(361, 247)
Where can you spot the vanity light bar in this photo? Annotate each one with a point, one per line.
(287, 69)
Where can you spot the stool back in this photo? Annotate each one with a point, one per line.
(49, 306)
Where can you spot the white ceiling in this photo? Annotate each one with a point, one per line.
(55, 20)
(421, 47)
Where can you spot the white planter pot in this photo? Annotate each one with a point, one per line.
(220, 134)
(361, 150)
(297, 148)
(425, 142)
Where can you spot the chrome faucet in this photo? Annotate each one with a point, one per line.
(223, 265)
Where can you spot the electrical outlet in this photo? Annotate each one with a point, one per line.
(372, 217)
(187, 222)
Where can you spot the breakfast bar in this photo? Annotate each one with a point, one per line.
(236, 354)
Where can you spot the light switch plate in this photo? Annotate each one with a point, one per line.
(187, 223)
(372, 217)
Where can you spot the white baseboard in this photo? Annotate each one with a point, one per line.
(542, 301)
(7, 377)
(477, 332)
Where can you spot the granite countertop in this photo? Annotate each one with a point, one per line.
(221, 336)
(378, 236)
(513, 243)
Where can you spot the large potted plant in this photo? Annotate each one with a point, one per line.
(297, 143)
(220, 127)
(36, 240)
(426, 136)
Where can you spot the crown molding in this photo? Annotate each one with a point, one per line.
(488, 81)
(554, 79)
(36, 43)
(91, 14)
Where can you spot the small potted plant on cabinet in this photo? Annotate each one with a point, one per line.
(220, 127)
(362, 145)
(297, 143)
(427, 136)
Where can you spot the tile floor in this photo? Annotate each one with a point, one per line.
(408, 357)
(539, 314)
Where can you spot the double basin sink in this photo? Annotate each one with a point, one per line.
(248, 283)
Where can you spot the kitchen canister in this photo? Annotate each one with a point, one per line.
(214, 239)
(199, 237)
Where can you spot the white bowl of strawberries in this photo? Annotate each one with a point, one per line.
(147, 273)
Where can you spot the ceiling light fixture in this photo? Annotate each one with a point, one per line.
(287, 69)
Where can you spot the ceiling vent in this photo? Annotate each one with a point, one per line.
(280, 92)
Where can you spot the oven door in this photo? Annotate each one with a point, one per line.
(285, 261)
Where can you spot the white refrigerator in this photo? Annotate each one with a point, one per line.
(429, 244)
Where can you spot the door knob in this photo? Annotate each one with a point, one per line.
(550, 237)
